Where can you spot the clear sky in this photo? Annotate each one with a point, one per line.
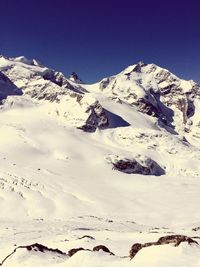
(99, 38)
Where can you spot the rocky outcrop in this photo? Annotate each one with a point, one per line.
(96, 119)
(176, 240)
(55, 77)
(138, 165)
(73, 251)
(103, 248)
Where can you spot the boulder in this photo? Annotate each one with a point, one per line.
(137, 165)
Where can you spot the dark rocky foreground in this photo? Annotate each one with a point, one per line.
(175, 240)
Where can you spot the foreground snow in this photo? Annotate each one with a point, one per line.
(88, 232)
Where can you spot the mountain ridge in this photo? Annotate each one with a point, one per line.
(153, 90)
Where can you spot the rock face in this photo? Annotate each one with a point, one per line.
(144, 166)
(156, 92)
(169, 239)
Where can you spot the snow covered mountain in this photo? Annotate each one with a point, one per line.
(156, 92)
(118, 161)
(67, 98)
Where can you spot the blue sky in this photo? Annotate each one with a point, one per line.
(100, 38)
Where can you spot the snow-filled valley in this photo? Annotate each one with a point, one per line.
(114, 163)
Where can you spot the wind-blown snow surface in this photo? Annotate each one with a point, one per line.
(57, 184)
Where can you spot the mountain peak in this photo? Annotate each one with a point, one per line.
(75, 78)
(25, 60)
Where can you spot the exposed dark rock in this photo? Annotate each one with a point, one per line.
(176, 240)
(105, 82)
(42, 248)
(75, 78)
(87, 236)
(4, 78)
(196, 229)
(102, 247)
(52, 76)
(183, 107)
(148, 108)
(97, 118)
(190, 108)
(134, 249)
(169, 239)
(59, 79)
(148, 167)
(73, 251)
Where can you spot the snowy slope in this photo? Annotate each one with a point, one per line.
(156, 92)
(62, 181)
